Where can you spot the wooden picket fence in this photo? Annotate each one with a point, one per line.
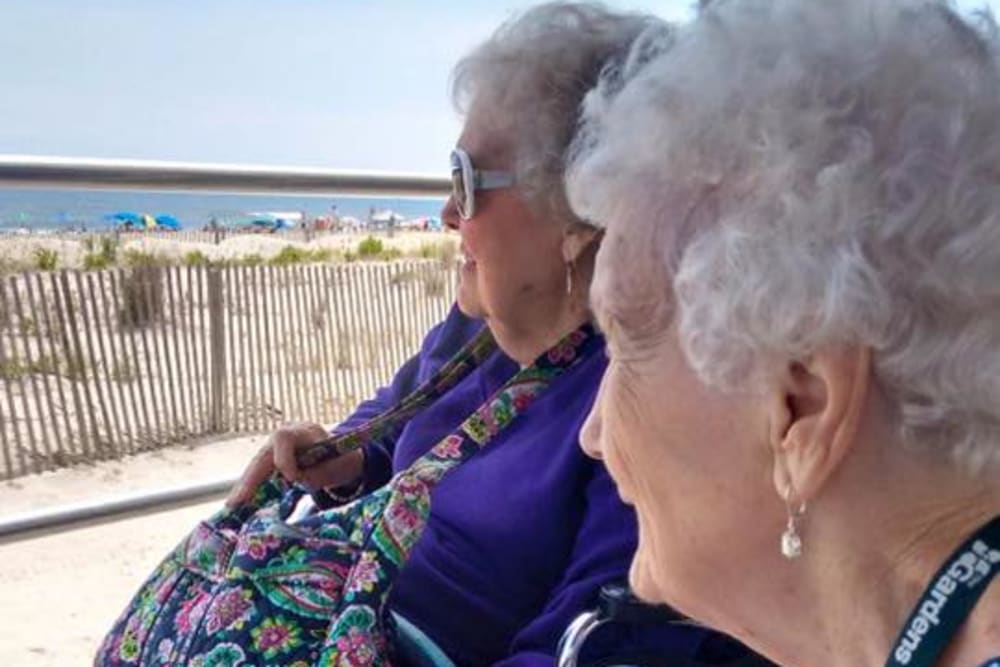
(97, 365)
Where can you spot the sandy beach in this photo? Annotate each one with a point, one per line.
(62, 592)
(96, 363)
(18, 252)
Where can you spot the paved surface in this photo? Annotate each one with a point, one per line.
(59, 594)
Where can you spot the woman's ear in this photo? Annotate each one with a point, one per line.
(816, 411)
(576, 239)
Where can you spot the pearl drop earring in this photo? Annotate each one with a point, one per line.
(791, 541)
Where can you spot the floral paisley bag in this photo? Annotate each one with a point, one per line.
(249, 588)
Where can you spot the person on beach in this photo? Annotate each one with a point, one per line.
(799, 288)
(521, 537)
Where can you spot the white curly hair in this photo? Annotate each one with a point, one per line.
(530, 77)
(813, 172)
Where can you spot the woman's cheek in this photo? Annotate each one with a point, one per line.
(621, 438)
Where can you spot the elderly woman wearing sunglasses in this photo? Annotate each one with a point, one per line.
(800, 288)
(522, 536)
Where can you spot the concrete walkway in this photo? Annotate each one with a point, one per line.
(59, 594)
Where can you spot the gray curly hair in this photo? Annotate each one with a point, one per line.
(530, 77)
(816, 172)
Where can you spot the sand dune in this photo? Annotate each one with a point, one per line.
(17, 252)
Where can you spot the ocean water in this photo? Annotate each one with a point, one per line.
(44, 209)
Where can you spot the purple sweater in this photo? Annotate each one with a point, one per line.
(521, 537)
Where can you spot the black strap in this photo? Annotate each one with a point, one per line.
(948, 600)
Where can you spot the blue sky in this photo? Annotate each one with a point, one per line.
(359, 84)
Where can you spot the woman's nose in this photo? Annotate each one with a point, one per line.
(449, 214)
(590, 434)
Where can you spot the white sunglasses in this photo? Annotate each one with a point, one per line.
(465, 180)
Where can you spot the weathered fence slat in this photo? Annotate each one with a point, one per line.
(99, 364)
(233, 374)
(173, 339)
(363, 324)
(142, 279)
(347, 338)
(301, 367)
(81, 374)
(217, 342)
(376, 351)
(292, 346)
(281, 341)
(272, 401)
(65, 445)
(8, 470)
(61, 299)
(89, 333)
(9, 365)
(27, 368)
(187, 295)
(426, 321)
(319, 390)
(204, 344)
(247, 368)
(158, 331)
(397, 314)
(295, 368)
(102, 361)
(256, 356)
(385, 325)
(45, 369)
(130, 369)
(119, 385)
(324, 319)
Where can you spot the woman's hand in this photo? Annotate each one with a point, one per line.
(278, 453)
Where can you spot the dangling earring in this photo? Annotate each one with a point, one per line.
(569, 278)
(791, 541)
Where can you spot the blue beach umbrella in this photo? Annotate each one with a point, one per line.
(168, 222)
(126, 219)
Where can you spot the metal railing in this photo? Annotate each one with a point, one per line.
(45, 522)
(94, 174)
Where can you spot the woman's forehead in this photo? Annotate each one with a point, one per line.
(488, 142)
(631, 285)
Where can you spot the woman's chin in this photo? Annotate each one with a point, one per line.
(467, 299)
(641, 579)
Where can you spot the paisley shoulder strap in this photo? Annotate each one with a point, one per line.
(456, 369)
(506, 404)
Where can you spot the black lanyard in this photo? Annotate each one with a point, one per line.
(948, 600)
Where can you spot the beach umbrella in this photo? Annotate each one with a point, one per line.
(266, 221)
(125, 218)
(168, 222)
(149, 221)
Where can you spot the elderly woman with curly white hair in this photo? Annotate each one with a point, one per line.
(800, 287)
(522, 536)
